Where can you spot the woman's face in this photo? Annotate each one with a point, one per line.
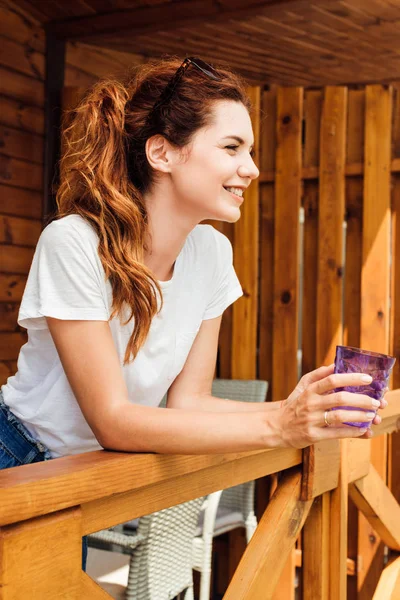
(216, 168)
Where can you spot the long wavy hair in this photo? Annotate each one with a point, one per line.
(104, 171)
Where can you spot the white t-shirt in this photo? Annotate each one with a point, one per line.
(67, 281)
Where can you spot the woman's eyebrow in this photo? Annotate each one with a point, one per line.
(237, 138)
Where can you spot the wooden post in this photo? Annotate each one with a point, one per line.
(375, 280)
(245, 310)
(352, 284)
(54, 82)
(50, 570)
(333, 550)
(286, 265)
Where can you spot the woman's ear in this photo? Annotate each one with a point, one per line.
(159, 153)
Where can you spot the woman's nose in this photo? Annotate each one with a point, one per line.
(249, 169)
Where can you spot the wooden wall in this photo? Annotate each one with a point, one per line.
(22, 72)
(330, 158)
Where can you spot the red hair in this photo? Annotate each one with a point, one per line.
(104, 171)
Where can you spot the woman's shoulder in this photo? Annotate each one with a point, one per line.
(71, 227)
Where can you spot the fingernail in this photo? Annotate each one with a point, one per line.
(384, 403)
(376, 403)
(370, 415)
(366, 378)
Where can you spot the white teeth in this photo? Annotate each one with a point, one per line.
(237, 191)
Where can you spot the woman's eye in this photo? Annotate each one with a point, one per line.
(232, 147)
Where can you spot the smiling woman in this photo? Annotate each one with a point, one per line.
(127, 288)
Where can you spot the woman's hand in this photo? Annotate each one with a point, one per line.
(302, 415)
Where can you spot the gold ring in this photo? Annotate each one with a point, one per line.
(325, 419)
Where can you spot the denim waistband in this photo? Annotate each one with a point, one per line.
(16, 439)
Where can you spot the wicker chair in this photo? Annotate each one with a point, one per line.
(228, 509)
(161, 549)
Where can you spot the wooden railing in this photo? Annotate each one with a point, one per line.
(46, 507)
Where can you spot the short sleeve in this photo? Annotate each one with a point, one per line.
(66, 278)
(225, 287)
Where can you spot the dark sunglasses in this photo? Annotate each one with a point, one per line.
(167, 94)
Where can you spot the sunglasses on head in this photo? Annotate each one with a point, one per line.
(167, 94)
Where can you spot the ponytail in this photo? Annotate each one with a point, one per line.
(95, 185)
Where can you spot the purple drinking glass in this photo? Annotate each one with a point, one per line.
(356, 360)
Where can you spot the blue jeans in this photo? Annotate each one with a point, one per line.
(18, 447)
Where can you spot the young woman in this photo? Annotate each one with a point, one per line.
(126, 291)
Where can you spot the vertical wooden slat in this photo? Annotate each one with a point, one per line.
(394, 439)
(312, 113)
(50, 570)
(265, 485)
(315, 567)
(375, 280)
(54, 82)
(286, 263)
(286, 272)
(333, 549)
(331, 216)
(245, 310)
(352, 284)
(267, 163)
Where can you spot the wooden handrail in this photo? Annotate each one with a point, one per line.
(151, 479)
(44, 488)
(63, 499)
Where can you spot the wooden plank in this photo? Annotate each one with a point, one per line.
(15, 259)
(148, 18)
(23, 88)
(358, 460)
(377, 503)
(10, 344)
(91, 589)
(8, 317)
(313, 111)
(394, 439)
(260, 568)
(331, 214)
(21, 144)
(21, 173)
(316, 574)
(14, 55)
(113, 487)
(355, 168)
(7, 369)
(321, 469)
(328, 335)
(21, 232)
(286, 260)
(18, 28)
(352, 289)
(389, 582)
(41, 558)
(265, 329)
(375, 281)
(12, 287)
(245, 310)
(286, 267)
(20, 202)
(19, 115)
(267, 160)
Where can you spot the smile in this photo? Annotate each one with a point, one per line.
(237, 192)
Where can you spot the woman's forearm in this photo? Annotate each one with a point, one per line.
(213, 404)
(135, 428)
